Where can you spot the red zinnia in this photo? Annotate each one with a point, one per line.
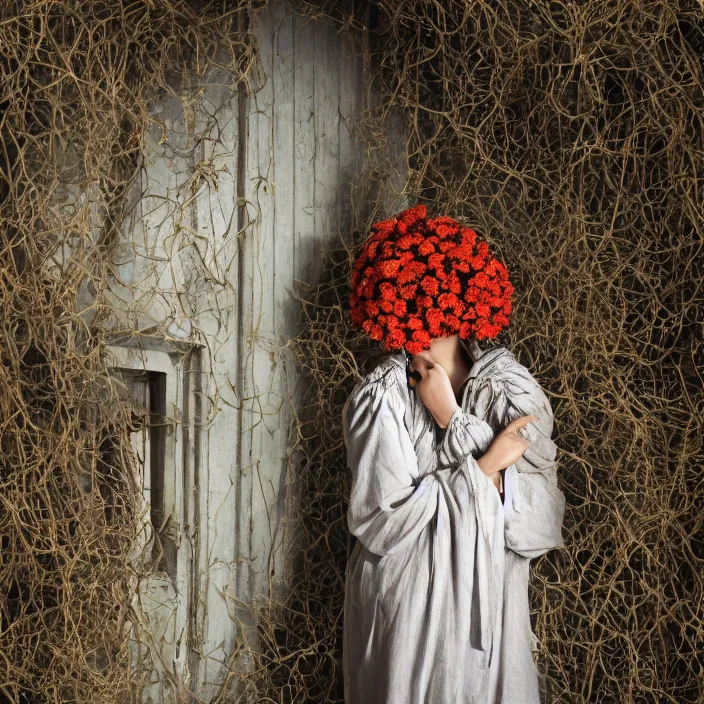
(417, 278)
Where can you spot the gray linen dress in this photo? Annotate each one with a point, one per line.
(436, 588)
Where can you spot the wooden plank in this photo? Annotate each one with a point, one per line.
(159, 276)
(306, 246)
(326, 124)
(215, 566)
(286, 309)
(268, 377)
(294, 186)
(351, 89)
(257, 320)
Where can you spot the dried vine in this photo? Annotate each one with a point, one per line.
(569, 134)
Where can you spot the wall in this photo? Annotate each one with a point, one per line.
(238, 198)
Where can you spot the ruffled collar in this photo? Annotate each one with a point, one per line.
(486, 358)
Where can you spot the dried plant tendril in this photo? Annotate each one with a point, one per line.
(573, 132)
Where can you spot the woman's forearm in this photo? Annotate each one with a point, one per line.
(487, 465)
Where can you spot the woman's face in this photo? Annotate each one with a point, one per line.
(439, 347)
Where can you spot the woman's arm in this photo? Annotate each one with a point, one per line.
(436, 393)
(505, 449)
(534, 505)
(390, 504)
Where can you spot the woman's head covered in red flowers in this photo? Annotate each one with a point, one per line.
(418, 278)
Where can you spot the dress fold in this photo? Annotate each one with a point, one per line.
(425, 587)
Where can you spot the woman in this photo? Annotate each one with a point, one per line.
(436, 600)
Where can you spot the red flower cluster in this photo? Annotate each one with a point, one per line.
(418, 278)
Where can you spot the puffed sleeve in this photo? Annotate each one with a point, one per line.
(390, 505)
(533, 504)
(465, 434)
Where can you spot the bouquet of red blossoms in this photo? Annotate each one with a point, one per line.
(418, 278)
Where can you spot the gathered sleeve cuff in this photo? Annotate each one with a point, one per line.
(465, 435)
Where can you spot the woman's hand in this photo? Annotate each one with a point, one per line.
(434, 388)
(507, 447)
